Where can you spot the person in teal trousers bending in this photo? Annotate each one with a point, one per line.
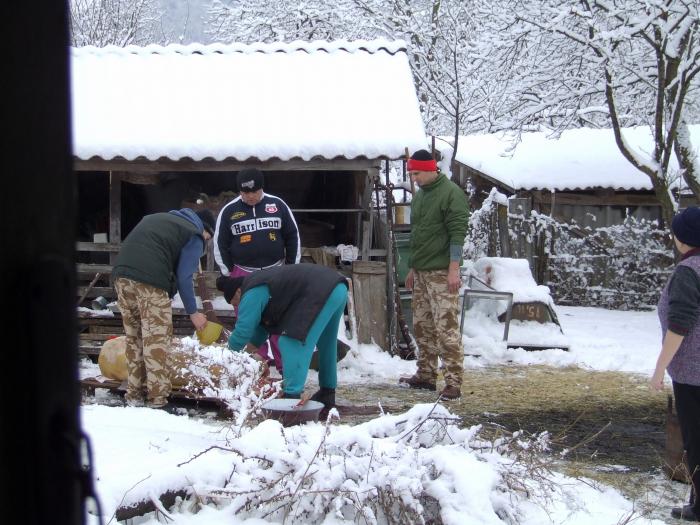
(303, 304)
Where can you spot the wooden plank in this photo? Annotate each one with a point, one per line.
(369, 290)
(182, 397)
(108, 329)
(97, 291)
(92, 269)
(97, 336)
(91, 352)
(179, 317)
(366, 237)
(503, 234)
(587, 199)
(522, 248)
(88, 322)
(88, 271)
(176, 393)
(97, 247)
(87, 289)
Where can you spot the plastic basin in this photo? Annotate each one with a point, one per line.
(210, 334)
(286, 412)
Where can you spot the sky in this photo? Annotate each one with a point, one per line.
(139, 452)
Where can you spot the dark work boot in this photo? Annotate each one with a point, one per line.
(685, 513)
(451, 392)
(325, 396)
(416, 382)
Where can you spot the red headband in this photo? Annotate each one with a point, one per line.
(421, 165)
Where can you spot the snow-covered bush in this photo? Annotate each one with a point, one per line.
(483, 228)
(397, 469)
(234, 378)
(621, 266)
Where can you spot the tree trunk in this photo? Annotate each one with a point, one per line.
(687, 159)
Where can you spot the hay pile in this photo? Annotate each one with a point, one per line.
(609, 417)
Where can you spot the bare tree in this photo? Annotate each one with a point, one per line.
(453, 94)
(114, 22)
(612, 63)
(250, 21)
(446, 64)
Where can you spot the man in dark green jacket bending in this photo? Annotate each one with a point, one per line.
(157, 260)
(439, 220)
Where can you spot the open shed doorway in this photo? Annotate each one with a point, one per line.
(327, 205)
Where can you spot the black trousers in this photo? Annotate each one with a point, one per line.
(688, 410)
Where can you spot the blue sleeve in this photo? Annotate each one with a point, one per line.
(186, 266)
(250, 312)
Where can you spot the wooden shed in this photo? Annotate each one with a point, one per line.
(579, 176)
(159, 128)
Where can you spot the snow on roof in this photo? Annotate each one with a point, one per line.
(580, 159)
(284, 100)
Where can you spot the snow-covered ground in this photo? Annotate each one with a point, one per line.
(326, 475)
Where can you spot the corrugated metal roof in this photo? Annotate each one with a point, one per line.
(580, 159)
(261, 101)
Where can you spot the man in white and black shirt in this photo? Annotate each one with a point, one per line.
(255, 231)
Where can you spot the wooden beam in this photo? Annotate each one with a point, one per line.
(142, 165)
(582, 199)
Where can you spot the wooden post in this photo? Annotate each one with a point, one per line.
(115, 211)
(521, 207)
(352, 315)
(209, 248)
(391, 283)
(413, 188)
(370, 306)
(368, 217)
(503, 232)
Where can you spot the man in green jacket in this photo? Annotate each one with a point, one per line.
(439, 220)
(157, 259)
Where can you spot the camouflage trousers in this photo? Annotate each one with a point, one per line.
(436, 327)
(148, 324)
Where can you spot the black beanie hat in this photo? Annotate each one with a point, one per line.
(250, 180)
(422, 154)
(228, 285)
(208, 220)
(686, 226)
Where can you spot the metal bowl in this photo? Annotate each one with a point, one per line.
(286, 412)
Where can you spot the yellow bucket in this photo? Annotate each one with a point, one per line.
(210, 334)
